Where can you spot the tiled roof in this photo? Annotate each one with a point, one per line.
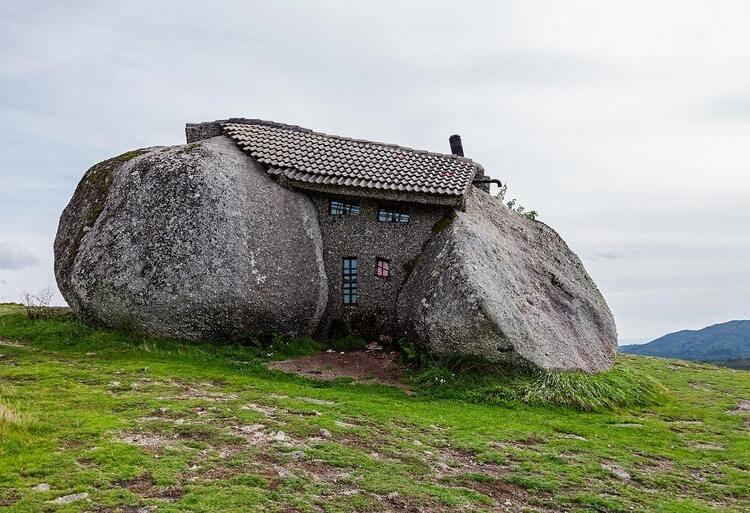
(313, 158)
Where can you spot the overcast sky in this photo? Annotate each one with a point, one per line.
(625, 124)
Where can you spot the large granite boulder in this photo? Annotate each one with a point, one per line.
(496, 285)
(192, 241)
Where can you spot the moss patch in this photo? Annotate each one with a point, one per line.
(445, 222)
(129, 155)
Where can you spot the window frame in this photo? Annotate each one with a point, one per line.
(343, 207)
(393, 215)
(378, 267)
(349, 281)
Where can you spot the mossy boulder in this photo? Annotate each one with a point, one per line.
(192, 241)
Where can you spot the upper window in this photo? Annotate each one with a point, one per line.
(390, 215)
(382, 268)
(349, 280)
(339, 207)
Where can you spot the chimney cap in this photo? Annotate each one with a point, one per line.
(457, 147)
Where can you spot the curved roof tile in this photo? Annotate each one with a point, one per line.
(306, 156)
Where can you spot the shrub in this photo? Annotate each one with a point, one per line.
(514, 205)
(37, 305)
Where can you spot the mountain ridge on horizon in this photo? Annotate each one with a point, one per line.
(722, 342)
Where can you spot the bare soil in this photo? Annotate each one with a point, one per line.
(362, 366)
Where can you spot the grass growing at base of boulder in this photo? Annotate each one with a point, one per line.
(476, 381)
(63, 331)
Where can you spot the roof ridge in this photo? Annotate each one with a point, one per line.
(297, 128)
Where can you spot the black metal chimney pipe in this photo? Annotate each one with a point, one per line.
(456, 147)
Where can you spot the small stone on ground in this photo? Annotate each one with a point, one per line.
(67, 499)
(617, 471)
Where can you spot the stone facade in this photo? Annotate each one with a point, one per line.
(195, 132)
(362, 236)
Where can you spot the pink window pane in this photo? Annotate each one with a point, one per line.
(383, 268)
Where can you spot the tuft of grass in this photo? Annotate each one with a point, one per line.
(129, 155)
(10, 417)
(478, 381)
(618, 387)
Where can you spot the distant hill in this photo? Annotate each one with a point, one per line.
(729, 341)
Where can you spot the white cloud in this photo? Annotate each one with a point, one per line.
(14, 257)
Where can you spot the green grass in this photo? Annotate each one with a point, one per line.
(479, 382)
(138, 422)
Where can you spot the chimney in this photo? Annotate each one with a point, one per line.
(456, 146)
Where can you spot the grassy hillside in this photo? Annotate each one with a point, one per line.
(720, 342)
(110, 422)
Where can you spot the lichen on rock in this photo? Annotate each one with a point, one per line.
(192, 241)
(498, 286)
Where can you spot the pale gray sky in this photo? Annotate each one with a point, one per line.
(625, 124)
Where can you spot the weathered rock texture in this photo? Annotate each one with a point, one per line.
(193, 241)
(496, 285)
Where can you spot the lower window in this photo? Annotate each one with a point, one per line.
(382, 268)
(349, 280)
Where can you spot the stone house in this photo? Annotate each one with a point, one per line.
(377, 204)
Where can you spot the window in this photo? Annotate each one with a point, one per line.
(389, 215)
(382, 268)
(349, 280)
(339, 207)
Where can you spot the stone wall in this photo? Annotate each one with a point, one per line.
(362, 236)
(195, 132)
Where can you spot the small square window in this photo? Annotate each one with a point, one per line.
(382, 268)
(340, 207)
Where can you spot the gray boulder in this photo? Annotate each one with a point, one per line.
(192, 241)
(501, 287)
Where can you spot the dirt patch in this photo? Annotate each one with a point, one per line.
(10, 343)
(707, 447)
(507, 497)
(201, 391)
(150, 441)
(138, 484)
(145, 487)
(741, 408)
(451, 462)
(127, 509)
(9, 498)
(362, 366)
